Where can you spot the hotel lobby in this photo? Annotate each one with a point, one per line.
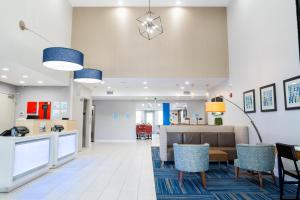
(149, 99)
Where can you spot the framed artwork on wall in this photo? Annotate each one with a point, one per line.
(249, 101)
(268, 101)
(292, 93)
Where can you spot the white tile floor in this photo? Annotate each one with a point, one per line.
(107, 171)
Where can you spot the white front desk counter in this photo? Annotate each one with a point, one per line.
(65, 147)
(23, 159)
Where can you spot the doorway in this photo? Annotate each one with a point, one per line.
(93, 125)
(149, 118)
(84, 125)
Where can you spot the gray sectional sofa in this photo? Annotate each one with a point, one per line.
(222, 138)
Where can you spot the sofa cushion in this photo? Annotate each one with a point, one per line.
(174, 138)
(226, 140)
(191, 138)
(210, 138)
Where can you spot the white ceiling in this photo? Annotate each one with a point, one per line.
(154, 3)
(157, 88)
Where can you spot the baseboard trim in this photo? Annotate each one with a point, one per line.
(115, 141)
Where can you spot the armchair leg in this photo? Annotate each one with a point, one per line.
(203, 176)
(237, 173)
(260, 179)
(180, 177)
(273, 177)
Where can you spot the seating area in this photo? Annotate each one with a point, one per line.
(193, 150)
(222, 138)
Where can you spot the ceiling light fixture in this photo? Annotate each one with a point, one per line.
(5, 69)
(58, 58)
(88, 75)
(145, 83)
(22, 82)
(178, 3)
(40, 82)
(109, 87)
(3, 76)
(187, 83)
(150, 25)
(25, 76)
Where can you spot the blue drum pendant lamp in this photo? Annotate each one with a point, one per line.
(58, 58)
(63, 59)
(88, 75)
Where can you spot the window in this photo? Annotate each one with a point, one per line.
(160, 117)
(139, 117)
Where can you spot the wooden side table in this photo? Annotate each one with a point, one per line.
(218, 155)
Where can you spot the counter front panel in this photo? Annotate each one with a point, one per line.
(66, 145)
(30, 155)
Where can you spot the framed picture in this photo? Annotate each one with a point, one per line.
(292, 93)
(268, 98)
(249, 101)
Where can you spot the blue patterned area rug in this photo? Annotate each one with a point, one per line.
(221, 184)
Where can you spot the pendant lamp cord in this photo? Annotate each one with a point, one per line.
(23, 27)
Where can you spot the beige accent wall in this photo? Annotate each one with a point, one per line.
(194, 42)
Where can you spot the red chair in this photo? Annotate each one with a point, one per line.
(148, 131)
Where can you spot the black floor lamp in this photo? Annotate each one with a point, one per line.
(220, 107)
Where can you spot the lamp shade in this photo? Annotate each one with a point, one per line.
(64, 59)
(88, 75)
(215, 107)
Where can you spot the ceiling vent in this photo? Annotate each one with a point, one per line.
(186, 92)
(109, 92)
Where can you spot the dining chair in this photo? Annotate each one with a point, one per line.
(289, 154)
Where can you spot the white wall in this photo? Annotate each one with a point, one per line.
(108, 127)
(47, 93)
(7, 106)
(78, 93)
(263, 49)
(7, 88)
(21, 51)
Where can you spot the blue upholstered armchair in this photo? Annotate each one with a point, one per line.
(191, 158)
(258, 158)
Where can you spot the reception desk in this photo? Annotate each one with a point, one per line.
(26, 158)
(23, 159)
(65, 147)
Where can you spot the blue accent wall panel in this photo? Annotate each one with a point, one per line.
(166, 113)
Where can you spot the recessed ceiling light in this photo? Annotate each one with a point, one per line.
(108, 87)
(120, 3)
(187, 83)
(22, 82)
(145, 82)
(3, 76)
(5, 69)
(143, 105)
(25, 76)
(178, 3)
(40, 82)
(182, 87)
(145, 87)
